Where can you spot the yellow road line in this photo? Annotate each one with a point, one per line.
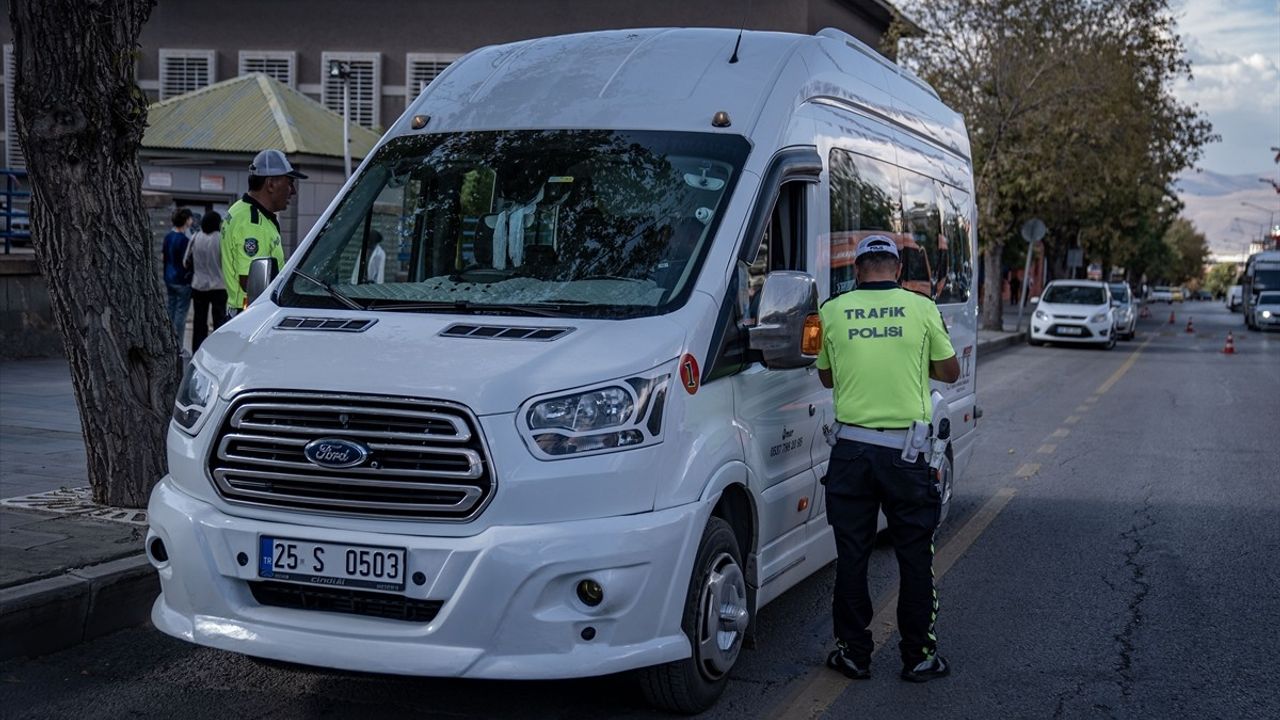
(1091, 399)
(1119, 373)
(1084, 408)
(1027, 470)
(1047, 449)
(1060, 433)
(820, 687)
(1072, 419)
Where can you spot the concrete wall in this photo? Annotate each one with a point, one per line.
(27, 327)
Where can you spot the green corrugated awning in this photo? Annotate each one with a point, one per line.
(248, 114)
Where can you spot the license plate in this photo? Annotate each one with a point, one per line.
(1070, 331)
(327, 563)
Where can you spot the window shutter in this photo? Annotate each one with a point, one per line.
(366, 86)
(12, 152)
(277, 64)
(420, 70)
(183, 71)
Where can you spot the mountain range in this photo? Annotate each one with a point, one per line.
(1215, 205)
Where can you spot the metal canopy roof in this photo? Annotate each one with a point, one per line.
(247, 114)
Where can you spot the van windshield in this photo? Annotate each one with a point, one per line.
(580, 223)
(1074, 295)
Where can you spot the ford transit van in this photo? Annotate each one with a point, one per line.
(576, 429)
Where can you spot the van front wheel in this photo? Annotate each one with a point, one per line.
(715, 620)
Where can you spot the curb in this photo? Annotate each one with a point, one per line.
(48, 615)
(991, 347)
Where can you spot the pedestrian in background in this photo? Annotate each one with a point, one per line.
(208, 290)
(177, 278)
(252, 229)
(880, 346)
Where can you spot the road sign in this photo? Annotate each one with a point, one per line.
(1033, 230)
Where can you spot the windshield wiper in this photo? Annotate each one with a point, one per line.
(333, 292)
(470, 308)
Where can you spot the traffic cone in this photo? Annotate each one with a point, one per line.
(1230, 347)
(1171, 320)
(1190, 329)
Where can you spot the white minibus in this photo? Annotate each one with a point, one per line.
(576, 429)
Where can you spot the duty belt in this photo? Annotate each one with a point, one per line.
(896, 439)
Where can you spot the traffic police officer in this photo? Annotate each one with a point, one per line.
(252, 230)
(880, 346)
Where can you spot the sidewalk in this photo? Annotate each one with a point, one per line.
(66, 573)
(71, 571)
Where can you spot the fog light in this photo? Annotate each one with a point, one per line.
(158, 553)
(590, 593)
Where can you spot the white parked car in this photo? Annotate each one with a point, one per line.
(1074, 311)
(1266, 311)
(1161, 293)
(1126, 310)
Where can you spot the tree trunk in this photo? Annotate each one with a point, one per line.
(80, 119)
(992, 303)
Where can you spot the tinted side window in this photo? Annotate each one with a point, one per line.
(782, 245)
(922, 217)
(954, 268)
(864, 199)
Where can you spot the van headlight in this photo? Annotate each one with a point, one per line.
(1100, 317)
(195, 395)
(616, 416)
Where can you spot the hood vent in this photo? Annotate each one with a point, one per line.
(504, 332)
(329, 324)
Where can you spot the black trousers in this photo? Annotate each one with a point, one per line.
(862, 479)
(206, 302)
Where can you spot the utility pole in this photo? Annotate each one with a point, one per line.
(340, 70)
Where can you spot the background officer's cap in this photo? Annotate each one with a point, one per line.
(273, 163)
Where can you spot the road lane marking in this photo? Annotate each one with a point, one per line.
(1047, 449)
(1072, 419)
(819, 688)
(1119, 373)
(1060, 433)
(1091, 399)
(1026, 470)
(1084, 408)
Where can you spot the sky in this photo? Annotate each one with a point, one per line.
(1234, 49)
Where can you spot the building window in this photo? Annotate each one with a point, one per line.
(420, 70)
(365, 82)
(280, 65)
(184, 71)
(12, 152)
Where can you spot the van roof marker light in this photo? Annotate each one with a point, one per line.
(420, 121)
(720, 119)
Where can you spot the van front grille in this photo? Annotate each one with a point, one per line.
(419, 458)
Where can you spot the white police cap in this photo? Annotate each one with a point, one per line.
(876, 244)
(273, 163)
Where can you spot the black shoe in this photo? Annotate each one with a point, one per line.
(931, 669)
(840, 661)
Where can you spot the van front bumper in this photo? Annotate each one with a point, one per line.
(509, 606)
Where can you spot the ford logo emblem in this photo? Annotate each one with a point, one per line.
(335, 453)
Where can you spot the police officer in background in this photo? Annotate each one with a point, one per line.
(252, 230)
(880, 346)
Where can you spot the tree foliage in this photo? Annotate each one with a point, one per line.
(1185, 255)
(1070, 117)
(1220, 278)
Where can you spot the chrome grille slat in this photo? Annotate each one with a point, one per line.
(461, 433)
(442, 472)
(474, 464)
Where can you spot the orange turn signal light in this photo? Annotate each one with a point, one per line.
(811, 341)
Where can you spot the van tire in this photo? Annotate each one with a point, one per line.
(694, 684)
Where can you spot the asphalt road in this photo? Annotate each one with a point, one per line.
(1113, 552)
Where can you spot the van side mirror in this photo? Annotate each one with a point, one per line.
(261, 272)
(787, 300)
